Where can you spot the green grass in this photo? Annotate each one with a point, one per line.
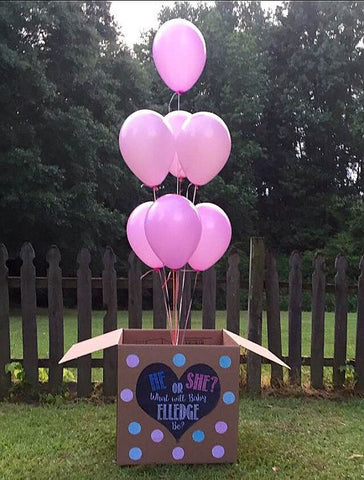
(70, 333)
(279, 438)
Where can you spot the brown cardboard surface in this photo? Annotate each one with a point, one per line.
(201, 440)
(94, 344)
(254, 347)
(162, 336)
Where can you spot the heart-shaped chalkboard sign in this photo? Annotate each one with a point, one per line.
(178, 403)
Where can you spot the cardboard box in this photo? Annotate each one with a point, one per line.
(176, 404)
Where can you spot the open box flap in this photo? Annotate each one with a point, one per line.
(255, 348)
(91, 345)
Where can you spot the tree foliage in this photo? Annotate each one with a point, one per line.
(313, 155)
(67, 84)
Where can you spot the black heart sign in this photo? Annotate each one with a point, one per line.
(178, 403)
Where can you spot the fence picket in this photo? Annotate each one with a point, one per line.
(273, 315)
(84, 320)
(232, 293)
(255, 310)
(209, 298)
(318, 322)
(359, 350)
(109, 293)
(5, 380)
(295, 319)
(341, 320)
(55, 312)
(134, 291)
(28, 308)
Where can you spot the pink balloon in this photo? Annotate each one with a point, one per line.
(215, 237)
(173, 229)
(203, 147)
(176, 169)
(137, 239)
(179, 53)
(147, 146)
(175, 120)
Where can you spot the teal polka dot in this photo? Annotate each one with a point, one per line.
(225, 361)
(135, 453)
(198, 436)
(134, 428)
(228, 398)
(179, 359)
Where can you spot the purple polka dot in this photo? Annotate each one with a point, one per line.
(132, 360)
(157, 436)
(178, 453)
(126, 395)
(221, 427)
(218, 451)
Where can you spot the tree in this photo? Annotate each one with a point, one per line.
(67, 85)
(309, 127)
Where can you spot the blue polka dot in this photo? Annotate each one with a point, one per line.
(179, 359)
(134, 428)
(228, 398)
(225, 361)
(198, 436)
(135, 453)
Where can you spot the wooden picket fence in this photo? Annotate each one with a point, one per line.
(263, 280)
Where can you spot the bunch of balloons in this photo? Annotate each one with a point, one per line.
(171, 231)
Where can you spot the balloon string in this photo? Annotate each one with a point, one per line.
(164, 284)
(178, 101)
(194, 194)
(177, 294)
(170, 102)
(146, 273)
(182, 292)
(188, 190)
(166, 281)
(176, 306)
(173, 303)
(155, 193)
(189, 309)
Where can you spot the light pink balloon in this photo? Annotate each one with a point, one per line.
(173, 229)
(203, 147)
(147, 145)
(176, 169)
(215, 237)
(175, 120)
(137, 239)
(179, 53)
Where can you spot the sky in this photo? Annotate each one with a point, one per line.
(136, 17)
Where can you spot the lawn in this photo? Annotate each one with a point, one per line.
(279, 438)
(70, 332)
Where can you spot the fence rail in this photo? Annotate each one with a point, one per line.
(263, 280)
